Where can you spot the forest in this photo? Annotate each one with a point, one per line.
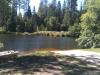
(55, 16)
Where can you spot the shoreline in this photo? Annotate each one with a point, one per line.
(43, 33)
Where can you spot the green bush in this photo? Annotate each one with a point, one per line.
(85, 40)
(41, 27)
(97, 40)
(89, 34)
(74, 30)
(1, 45)
(89, 40)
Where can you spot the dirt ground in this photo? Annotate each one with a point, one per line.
(48, 65)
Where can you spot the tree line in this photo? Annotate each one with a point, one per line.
(54, 16)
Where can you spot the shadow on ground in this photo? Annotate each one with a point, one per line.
(48, 65)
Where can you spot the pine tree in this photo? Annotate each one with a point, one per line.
(5, 11)
(59, 12)
(35, 20)
(20, 23)
(72, 9)
(28, 12)
(64, 8)
(12, 21)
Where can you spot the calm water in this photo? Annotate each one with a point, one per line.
(33, 42)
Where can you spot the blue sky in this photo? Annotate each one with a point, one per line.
(36, 3)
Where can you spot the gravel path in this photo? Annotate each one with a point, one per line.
(61, 64)
(88, 56)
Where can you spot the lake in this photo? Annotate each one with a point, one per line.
(31, 42)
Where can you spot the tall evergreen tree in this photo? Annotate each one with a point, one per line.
(35, 21)
(64, 8)
(12, 20)
(59, 12)
(42, 12)
(20, 23)
(41, 9)
(28, 13)
(5, 11)
(72, 9)
(52, 8)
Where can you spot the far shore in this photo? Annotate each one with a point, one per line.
(43, 33)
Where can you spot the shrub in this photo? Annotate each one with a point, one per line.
(97, 40)
(74, 30)
(89, 40)
(1, 45)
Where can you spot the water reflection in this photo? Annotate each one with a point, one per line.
(33, 42)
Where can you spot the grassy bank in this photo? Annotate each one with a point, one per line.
(2, 30)
(92, 49)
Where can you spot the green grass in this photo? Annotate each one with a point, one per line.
(92, 49)
(1, 45)
(1, 29)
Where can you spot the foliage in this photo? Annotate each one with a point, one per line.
(86, 40)
(87, 37)
(53, 24)
(74, 30)
(90, 27)
(1, 45)
(20, 27)
(97, 40)
(66, 20)
(50, 16)
(41, 28)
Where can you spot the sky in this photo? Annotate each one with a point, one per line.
(37, 2)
